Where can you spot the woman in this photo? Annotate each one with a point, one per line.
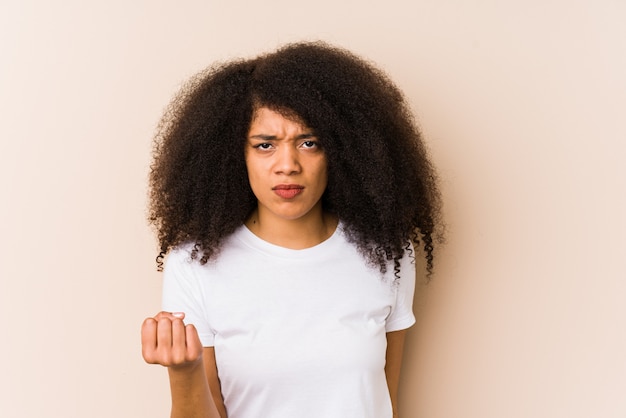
(289, 190)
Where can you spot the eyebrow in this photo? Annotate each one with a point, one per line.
(273, 137)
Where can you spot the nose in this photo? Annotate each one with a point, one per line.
(287, 160)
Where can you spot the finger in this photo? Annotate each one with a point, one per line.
(169, 315)
(194, 345)
(149, 340)
(148, 332)
(164, 333)
(179, 345)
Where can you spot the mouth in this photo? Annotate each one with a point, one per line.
(288, 191)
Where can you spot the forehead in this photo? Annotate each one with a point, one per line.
(266, 118)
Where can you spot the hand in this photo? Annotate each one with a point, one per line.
(167, 341)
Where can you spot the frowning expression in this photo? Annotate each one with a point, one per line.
(286, 166)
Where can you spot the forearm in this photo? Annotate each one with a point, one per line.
(393, 364)
(191, 397)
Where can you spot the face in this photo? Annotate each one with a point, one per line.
(286, 167)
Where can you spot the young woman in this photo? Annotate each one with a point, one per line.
(289, 191)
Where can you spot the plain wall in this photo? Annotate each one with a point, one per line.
(522, 105)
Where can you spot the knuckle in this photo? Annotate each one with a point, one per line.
(148, 322)
(161, 314)
(193, 355)
(148, 356)
(164, 322)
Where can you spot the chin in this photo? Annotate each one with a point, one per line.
(291, 215)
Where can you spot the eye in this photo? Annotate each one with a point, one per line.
(310, 144)
(263, 146)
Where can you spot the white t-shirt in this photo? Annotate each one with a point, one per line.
(297, 333)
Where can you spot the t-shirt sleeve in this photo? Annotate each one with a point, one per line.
(401, 316)
(183, 292)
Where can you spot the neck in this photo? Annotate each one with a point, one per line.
(296, 234)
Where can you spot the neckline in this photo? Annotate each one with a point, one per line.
(253, 241)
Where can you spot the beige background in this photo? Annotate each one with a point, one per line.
(521, 102)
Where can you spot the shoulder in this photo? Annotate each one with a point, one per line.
(179, 264)
(180, 254)
(189, 253)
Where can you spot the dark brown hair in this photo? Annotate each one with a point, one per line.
(381, 183)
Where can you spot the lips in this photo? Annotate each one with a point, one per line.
(288, 191)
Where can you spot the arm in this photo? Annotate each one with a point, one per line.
(210, 368)
(167, 341)
(395, 346)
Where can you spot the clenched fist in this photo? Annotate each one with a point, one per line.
(167, 341)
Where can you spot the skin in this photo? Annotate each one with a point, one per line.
(393, 365)
(165, 340)
(280, 153)
(283, 152)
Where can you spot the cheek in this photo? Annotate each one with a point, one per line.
(253, 176)
(252, 166)
(321, 180)
(322, 177)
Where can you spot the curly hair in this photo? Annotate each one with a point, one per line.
(381, 183)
